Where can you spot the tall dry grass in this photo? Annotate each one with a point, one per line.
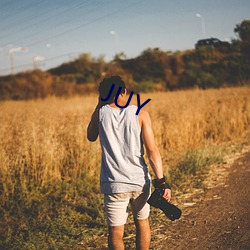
(49, 172)
(45, 140)
(188, 119)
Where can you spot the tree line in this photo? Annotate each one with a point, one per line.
(153, 70)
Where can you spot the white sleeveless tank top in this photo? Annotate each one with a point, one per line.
(123, 168)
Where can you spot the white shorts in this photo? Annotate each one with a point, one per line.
(116, 206)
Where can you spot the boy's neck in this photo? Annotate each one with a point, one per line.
(120, 102)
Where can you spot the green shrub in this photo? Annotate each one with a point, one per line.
(143, 87)
(191, 168)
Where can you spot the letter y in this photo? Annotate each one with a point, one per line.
(140, 106)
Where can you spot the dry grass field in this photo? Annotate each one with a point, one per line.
(43, 143)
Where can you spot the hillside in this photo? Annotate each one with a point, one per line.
(153, 70)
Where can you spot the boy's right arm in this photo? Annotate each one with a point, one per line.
(93, 127)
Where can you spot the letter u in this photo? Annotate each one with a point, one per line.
(117, 95)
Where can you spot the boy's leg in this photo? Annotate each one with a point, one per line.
(116, 214)
(115, 239)
(143, 234)
(141, 210)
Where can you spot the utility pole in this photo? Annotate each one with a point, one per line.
(11, 62)
(11, 51)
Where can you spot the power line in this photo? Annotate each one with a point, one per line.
(48, 59)
(24, 7)
(78, 6)
(85, 24)
(75, 28)
(28, 18)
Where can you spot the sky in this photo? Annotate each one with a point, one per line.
(46, 33)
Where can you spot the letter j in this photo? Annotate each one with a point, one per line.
(110, 92)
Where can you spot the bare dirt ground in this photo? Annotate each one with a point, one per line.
(218, 217)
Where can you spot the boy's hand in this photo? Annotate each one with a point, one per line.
(162, 185)
(167, 194)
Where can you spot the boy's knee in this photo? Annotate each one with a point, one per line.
(115, 240)
(116, 231)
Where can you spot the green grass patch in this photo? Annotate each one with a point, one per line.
(190, 170)
(52, 217)
(60, 215)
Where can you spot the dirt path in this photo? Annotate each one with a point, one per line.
(218, 218)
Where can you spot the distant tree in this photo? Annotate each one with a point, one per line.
(243, 31)
(27, 85)
(83, 68)
(149, 66)
(120, 56)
